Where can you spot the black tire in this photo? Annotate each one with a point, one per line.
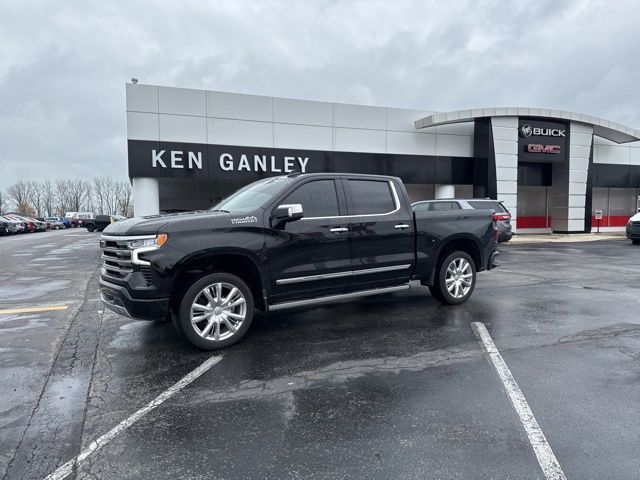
(635, 241)
(193, 331)
(176, 325)
(90, 228)
(435, 293)
(460, 278)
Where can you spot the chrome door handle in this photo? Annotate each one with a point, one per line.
(401, 226)
(339, 229)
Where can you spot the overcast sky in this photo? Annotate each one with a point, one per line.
(63, 65)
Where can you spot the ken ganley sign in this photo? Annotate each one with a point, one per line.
(185, 160)
(249, 163)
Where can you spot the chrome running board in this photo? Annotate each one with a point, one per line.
(333, 298)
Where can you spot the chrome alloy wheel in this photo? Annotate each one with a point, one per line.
(217, 312)
(459, 278)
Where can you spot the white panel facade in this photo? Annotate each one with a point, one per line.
(239, 106)
(634, 155)
(359, 140)
(239, 132)
(359, 116)
(615, 154)
(465, 128)
(505, 134)
(454, 145)
(302, 136)
(146, 196)
(411, 143)
(303, 112)
(569, 190)
(142, 98)
(402, 120)
(181, 101)
(142, 126)
(181, 128)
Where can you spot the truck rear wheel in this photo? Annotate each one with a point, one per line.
(216, 311)
(90, 227)
(456, 279)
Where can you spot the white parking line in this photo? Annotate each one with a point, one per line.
(547, 460)
(100, 442)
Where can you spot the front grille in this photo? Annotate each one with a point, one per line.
(636, 223)
(146, 274)
(116, 259)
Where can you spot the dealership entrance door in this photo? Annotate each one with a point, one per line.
(534, 197)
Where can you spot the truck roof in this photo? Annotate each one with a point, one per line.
(341, 174)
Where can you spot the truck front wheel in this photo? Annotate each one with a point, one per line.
(216, 311)
(456, 279)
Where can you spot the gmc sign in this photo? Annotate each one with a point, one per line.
(539, 148)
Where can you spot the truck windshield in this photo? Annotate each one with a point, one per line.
(253, 196)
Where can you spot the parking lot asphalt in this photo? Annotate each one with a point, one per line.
(395, 386)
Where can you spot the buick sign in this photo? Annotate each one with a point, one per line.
(528, 130)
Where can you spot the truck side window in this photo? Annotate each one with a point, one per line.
(444, 206)
(318, 198)
(371, 197)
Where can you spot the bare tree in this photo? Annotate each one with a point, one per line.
(98, 194)
(3, 202)
(19, 192)
(125, 204)
(62, 194)
(72, 194)
(49, 197)
(36, 197)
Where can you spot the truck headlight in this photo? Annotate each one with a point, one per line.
(156, 241)
(142, 245)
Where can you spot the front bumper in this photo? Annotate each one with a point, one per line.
(633, 232)
(118, 299)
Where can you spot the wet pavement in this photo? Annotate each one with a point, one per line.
(393, 386)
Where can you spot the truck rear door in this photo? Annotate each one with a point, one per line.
(381, 232)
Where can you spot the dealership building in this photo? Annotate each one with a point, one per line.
(188, 149)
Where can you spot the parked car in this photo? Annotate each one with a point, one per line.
(503, 217)
(73, 219)
(284, 242)
(633, 229)
(54, 223)
(29, 225)
(4, 227)
(100, 222)
(41, 226)
(15, 226)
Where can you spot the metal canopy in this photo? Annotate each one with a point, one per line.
(602, 128)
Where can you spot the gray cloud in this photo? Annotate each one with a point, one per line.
(63, 65)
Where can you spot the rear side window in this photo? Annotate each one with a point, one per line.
(318, 198)
(102, 218)
(420, 207)
(370, 197)
(444, 206)
(487, 205)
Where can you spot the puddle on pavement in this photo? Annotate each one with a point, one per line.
(31, 291)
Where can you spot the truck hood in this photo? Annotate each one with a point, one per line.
(152, 224)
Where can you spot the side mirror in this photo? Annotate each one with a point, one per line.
(287, 213)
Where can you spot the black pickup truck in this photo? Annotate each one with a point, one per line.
(284, 242)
